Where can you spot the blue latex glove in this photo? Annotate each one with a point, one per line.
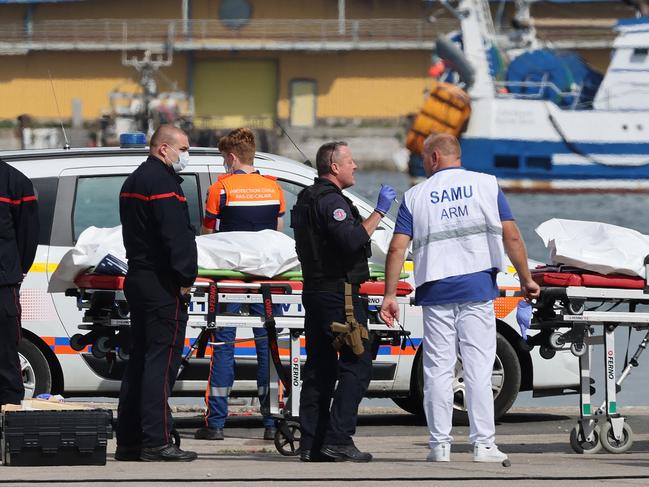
(387, 195)
(524, 317)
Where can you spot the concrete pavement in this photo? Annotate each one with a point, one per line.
(536, 440)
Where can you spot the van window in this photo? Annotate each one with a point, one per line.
(97, 201)
(191, 191)
(45, 189)
(291, 190)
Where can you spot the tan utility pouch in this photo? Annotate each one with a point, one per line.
(351, 332)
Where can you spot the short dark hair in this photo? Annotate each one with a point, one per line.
(325, 155)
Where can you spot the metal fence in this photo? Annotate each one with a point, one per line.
(117, 31)
(258, 34)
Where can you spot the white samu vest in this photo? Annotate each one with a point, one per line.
(456, 225)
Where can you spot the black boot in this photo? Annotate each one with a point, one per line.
(269, 433)
(167, 453)
(346, 453)
(128, 453)
(209, 434)
(314, 457)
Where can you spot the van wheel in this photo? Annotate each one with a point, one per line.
(505, 384)
(37, 377)
(414, 402)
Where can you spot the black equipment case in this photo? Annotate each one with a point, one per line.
(63, 437)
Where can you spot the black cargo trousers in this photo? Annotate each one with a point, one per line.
(157, 343)
(323, 421)
(12, 390)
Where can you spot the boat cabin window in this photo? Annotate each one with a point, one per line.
(506, 161)
(539, 162)
(639, 54)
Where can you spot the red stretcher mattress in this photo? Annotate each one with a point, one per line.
(573, 277)
(100, 281)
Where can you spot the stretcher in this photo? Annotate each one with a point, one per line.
(578, 309)
(107, 328)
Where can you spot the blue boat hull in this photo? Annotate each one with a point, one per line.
(540, 160)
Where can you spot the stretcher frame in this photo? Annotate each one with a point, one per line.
(206, 295)
(568, 307)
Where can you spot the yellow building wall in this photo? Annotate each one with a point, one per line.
(317, 9)
(377, 84)
(25, 84)
(370, 84)
(208, 9)
(12, 14)
(110, 9)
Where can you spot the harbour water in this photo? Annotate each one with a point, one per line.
(532, 209)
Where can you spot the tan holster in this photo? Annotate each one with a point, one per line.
(351, 332)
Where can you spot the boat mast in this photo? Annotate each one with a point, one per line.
(478, 35)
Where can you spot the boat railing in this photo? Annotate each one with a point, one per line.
(535, 90)
(213, 33)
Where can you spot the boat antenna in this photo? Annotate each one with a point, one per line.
(58, 111)
(306, 159)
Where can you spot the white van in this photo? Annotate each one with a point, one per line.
(78, 188)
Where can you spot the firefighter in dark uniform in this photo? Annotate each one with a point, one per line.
(161, 251)
(333, 245)
(18, 241)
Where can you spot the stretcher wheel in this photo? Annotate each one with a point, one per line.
(576, 308)
(123, 354)
(579, 443)
(556, 340)
(97, 353)
(578, 349)
(612, 445)
(102, 344)
(287, 438)
(77, 342)
(122, 310)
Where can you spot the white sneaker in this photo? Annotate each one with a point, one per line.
(488, 454)
(440, 453)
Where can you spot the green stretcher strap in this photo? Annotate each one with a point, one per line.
(286, 276)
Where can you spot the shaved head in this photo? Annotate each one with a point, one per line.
(441, 151)
(446, 144)
(166, 134)
(167, 143)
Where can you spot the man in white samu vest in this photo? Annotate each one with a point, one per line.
(460, 225)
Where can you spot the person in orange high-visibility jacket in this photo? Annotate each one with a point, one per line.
(242, 200)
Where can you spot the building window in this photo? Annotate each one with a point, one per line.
(235, 14)
(302, 93)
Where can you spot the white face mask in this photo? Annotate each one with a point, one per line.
(182, 162)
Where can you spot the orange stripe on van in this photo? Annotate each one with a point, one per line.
(406, 351)
(506, 305)
(67, 350)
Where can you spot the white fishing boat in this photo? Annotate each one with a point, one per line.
(533, 133)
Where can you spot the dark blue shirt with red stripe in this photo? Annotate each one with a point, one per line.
(156, 228)
(18, 224)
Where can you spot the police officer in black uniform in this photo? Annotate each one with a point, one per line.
(333, 245)
(161, 251)
(18, 242)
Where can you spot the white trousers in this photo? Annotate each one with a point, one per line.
(471, 328)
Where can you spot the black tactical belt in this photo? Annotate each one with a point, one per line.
(329, 285)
